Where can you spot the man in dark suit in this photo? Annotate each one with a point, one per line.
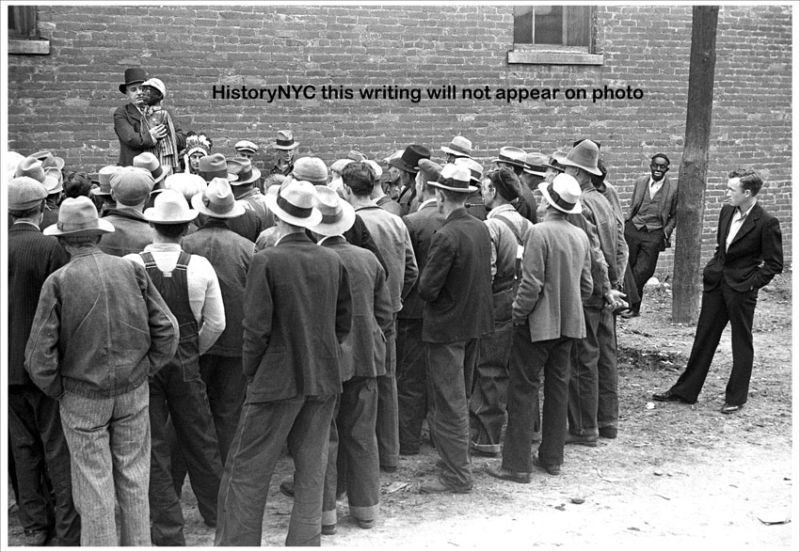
(456, 286)
(749, 254)
(297, 312)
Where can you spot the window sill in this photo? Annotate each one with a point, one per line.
(553, 57)
(33, 47)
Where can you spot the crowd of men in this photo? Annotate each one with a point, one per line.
(183, 315)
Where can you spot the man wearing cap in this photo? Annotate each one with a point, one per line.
(394, 243)
(246, 149)
(284, 146)
(651, 219)
(408, 165)
(548, 322)
(456, 286)
(353, 438)
(130, 188)
(230, 255)
(189, 285)
(594, 402)
(508, 231)
(297, 312)
(37, 443)
(412, 395)
(515, 159)
(34, 168)
(92, 347)
(134, 133)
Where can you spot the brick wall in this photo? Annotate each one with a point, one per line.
(64, 101)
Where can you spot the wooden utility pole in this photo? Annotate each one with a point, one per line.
(694, 164)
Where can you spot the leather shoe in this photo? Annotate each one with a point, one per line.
(552, 469)
(608, 432)
(506, 475)
(365, 523)
(585, 440)
(731, 408)
(434, 486)
(669, 396)
(329, 529)
(389, 469)
(628, 313)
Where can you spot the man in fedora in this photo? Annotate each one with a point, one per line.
(92, 347)
(548, 322)
(353, 440)
(515, 159)
(101, 193)
(38, 448)
(284, 146)
(594, 401)
(474, 202)
(459, 147)
(246, 191)
(189, 285)
(408, 165)
(297, 312)
(412, 394)
(394, 243)
(134, 133)
(130, 188)
(456, 286)
(230, 255)
(150, 163)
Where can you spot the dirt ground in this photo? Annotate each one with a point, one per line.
(677, 477)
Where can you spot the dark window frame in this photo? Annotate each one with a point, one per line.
(555, 54)
(23, 32)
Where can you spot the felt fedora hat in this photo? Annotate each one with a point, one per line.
(77, 216)
(555, 160)
(150, 163)
(131, 185)
(33, 168)
(584, 156)
(459, 146)
(455, 178)
(293, 202)
(217, 200)
(475, 168)
(187, 184)
(214, 166)
(312, 169)
(50, 161)
(563, 193)
(25, 193)
(285, 141)
(409, 160)
(337, 214)
(536, 163)
(104, 179)
(170, 207)
(511, 156)
(133, 75)
(244, 171)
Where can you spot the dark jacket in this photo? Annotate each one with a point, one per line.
(32, 257)
(132, 233)
(421, 226)
(133, 133)
(754, 257)
(297, 311)
(457, 281)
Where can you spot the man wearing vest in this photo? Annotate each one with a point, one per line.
(508, 230)
(190, 287)
(650, 223)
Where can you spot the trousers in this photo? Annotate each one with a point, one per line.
(387, 428)
(643, 250)
(412, 384)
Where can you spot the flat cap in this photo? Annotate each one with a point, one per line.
(24, 193)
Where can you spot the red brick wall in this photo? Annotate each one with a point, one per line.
(64, 101)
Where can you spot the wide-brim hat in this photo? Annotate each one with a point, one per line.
(187, 184)
(215, 166)
(77, 216)
(151, 164)
(584, 156)
(53, 180)
(536, 164)
(409, 161)
(338, 215)
(133, 75)
(104, 180)
(556, 161)
(563, 193)
(475, 168)
(455, 178)
(293, 202)
(459, 146)
(244, 171)
(170, 207)
(49, 160)
(285, 141)
(217, 200)
(511, 156)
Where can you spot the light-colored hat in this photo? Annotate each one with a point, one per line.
(377, 171)
(244, 171)
(25, 193)
(131, 185)
(12, 160)
(77, 216)
(584, 156)
(312, 169)
(33, 168)
(459, 146)
(187, 184)
(50, 161)
(293, 202)
(285, 141)
(511, 156)
(157, 84)
(150, 163)
(53, 180)
(104, 179)
(475, 168)
(214, 166)
(170, 207)
(536, 163)
(455, 178)
(556, 161)
(337, 214)
(563, 193)
(340, 164)
(245, 145)
(217, 200)
(391, 157)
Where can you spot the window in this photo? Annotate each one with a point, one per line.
(23, 33)
(554, 35)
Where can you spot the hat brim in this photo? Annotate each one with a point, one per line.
(103, 227)
(339, 227)
(531, 171)
(574, 211)
(149, 215)
(403, 166)
(293, 146)
(253, 178)
(568, 163)
(272, 202)
(520, 164)
(455, 152)
(467, 190)
(236, 211)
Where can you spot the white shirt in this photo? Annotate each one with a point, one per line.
(205, 296)
(655, 187)
(426, 202)
(736, 224)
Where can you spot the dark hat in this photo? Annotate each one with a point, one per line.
(584, 156)
(213, 166)
(133, 75)
(511, 156)
(576, 142)
(285, 141)
(243, 168)
(409, 161)
(536, 164)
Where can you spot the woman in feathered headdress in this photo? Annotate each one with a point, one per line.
(197, 146)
